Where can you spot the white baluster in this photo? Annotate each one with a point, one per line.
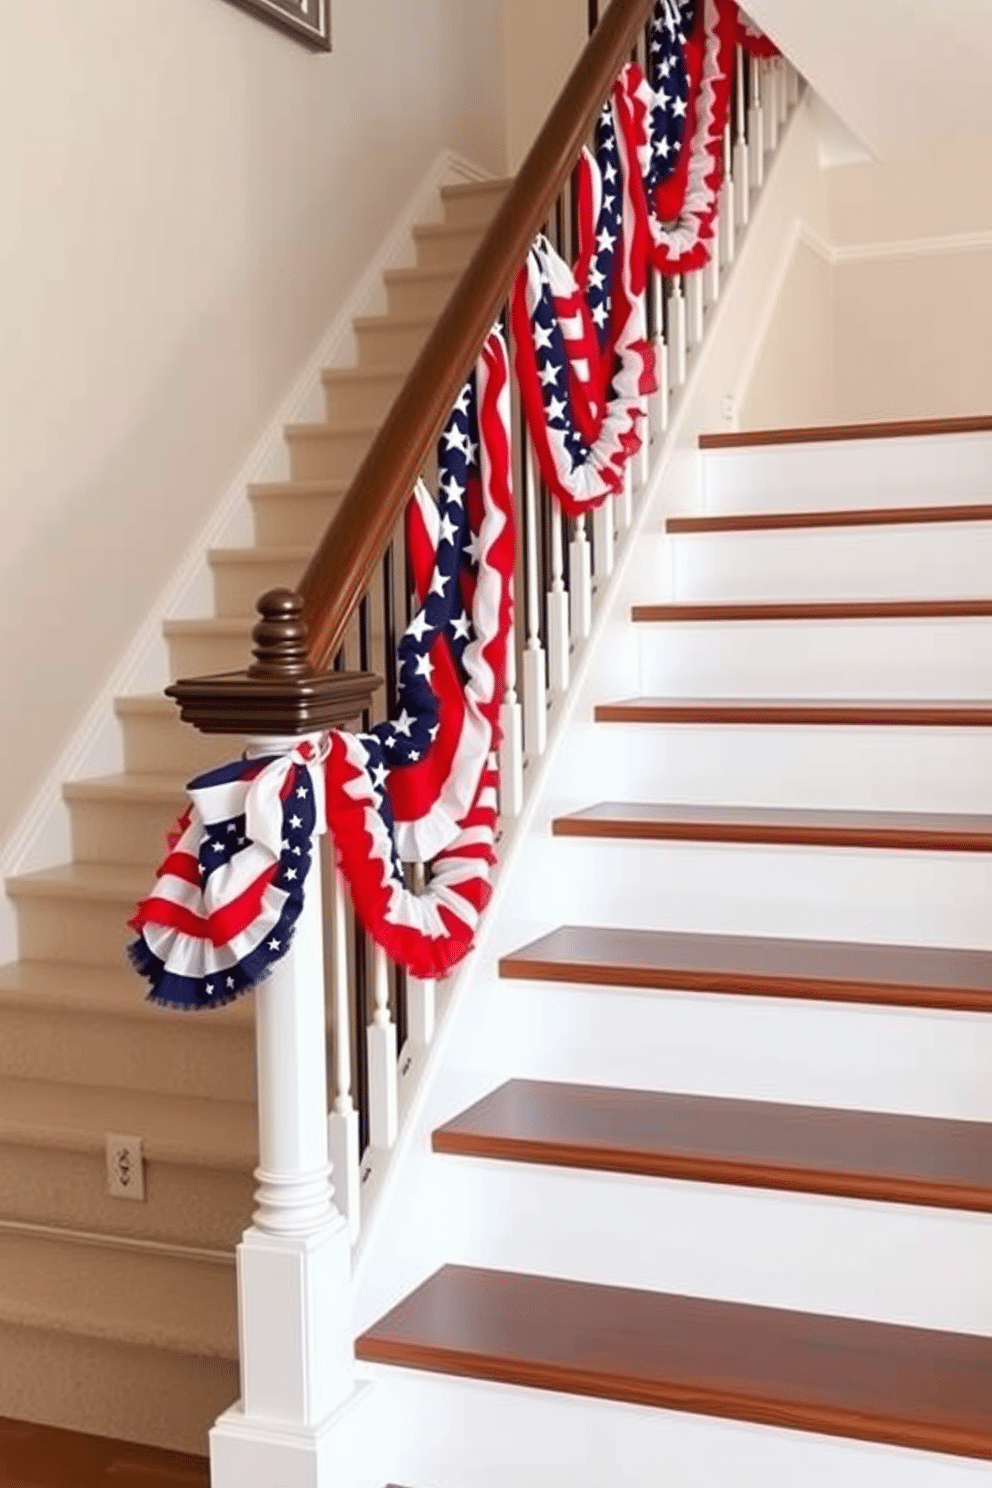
(342, 1124)
(782, 92)
(535, 671)
(638, 470)
(603, 533)
(381, 1038)
(770, 86)
(694, 308)
(658, 405)
(558, 655)
(791, 85)
(664, 386)
(511, 750)
(756, 129)
(293, 1262)
(742, 172)
(580, 577)
(725, 222)
(421, 995)
(677, 333)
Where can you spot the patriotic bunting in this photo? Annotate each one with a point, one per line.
(230, 891)
(681, 212)
(752, 39)
(428, 779)
(423, 787)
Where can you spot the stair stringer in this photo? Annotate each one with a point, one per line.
(751, 1246)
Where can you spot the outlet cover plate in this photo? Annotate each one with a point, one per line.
(125, 1167)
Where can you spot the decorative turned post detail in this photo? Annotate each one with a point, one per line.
(294, 1259)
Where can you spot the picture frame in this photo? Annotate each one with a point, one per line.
(306, 21)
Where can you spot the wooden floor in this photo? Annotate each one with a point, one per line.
(42, 1457)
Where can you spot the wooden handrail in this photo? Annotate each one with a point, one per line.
(341, 568)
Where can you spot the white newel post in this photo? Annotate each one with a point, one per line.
(294, 1259)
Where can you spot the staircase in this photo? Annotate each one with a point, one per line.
(714, 1139)
(117, 1317)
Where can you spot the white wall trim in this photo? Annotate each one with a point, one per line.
(898, 248)
(41, 835)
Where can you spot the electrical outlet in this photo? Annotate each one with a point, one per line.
(125, 1167)
(728, 409)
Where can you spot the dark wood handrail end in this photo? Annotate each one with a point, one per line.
(280, 693)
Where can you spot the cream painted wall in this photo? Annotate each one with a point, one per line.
(892, 318)
(913, 335)
(187, 197)
(542, 40)
(794, 380)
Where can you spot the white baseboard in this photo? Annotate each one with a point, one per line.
(41, 835)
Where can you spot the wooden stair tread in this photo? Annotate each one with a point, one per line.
(874, 516)
(872, 1381)
(822, 609)
(859, 712)
(830, 433)
(757, 1144)
(650, 821)
(758, 966)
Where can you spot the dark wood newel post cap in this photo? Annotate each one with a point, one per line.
(280, 692)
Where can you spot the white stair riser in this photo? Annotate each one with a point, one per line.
(55, 927)
(475, 208)
(929, 561)
(166, 1054)
(428, 294)
(801, 1052)
(185, 1204)
(871, 659)
(106, 1388)
(205, 651)
(237, 585)
(811, 1253)
(474, 1435)
(739, 889)
(285, 519)
(850, 473)
(359, 399)
(160, 742)
(881, 769)
(122, 831)
(331, 454)
(450, 249)
(386, 342)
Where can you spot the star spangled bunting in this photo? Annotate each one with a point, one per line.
(229, 892)
(580, 472)
(668, 78)
(753, 39)
(462, 628)
(681, 212)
